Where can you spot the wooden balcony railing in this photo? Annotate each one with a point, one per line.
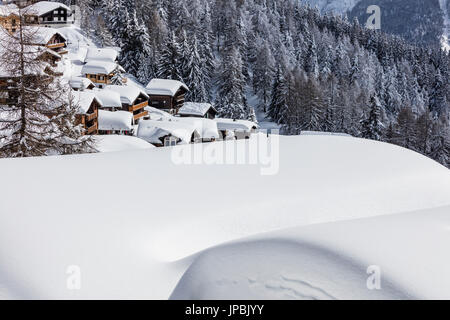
(90, 117)
(92, 129)
(140, 115)
(56, 45)
(138, 106)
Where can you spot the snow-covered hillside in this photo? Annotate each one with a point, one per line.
(134, 222)
(337, 6)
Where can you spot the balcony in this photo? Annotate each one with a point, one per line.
(140, 115)
(92, 129)
(90, 117)
(141, 105)
(56, 45)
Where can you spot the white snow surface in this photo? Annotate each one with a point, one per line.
(337, 205)
(108, 98)
(128, 93)
(152, 131)
(102, 54)
(99, 67)
(195, 108)
(233, 124)
(117, 120)
(83, 99)
(164, 87)
(116, 143)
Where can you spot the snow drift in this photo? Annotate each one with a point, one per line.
(337, 205)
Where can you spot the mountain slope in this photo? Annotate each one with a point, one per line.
(416, 20)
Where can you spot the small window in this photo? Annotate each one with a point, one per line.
(170, 141)
(55, 12)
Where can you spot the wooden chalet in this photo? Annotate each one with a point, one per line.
(133, 100)
(197, 110)
(9, 17)
(49, 38)
(47, 13)
(88, 106)
(103, 73)
(167, 95)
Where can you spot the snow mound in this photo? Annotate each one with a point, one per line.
(114, 143)
(145, 240)
(330, 261)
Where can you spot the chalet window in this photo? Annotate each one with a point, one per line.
(101, 78)
(13, 22)
(170, 141)
(55, 12)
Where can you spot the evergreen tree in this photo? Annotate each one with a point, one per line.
(371, 125)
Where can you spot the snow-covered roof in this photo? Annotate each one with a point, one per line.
(115, 143)
(235, 125)
(195, 109)
(117, 121)
(108, 98)
(128, 94)
(80, 83)
(103, 54)
(43, 35)
(43, 7)
(152, 131)
(207, 128)
(157, 114)
(8, 9)
(84, 99)
(164, 87)
(99, 67)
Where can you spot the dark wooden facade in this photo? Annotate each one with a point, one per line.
(170, 104)
(137, 108)
(89, 120)
(58, 16)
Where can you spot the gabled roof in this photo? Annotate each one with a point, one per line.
(100, 67)
(102, 54)
(80, 83)
(235, 125)
(84, 100)
(152, 131)
(165, 87)
(42, 35)
(118, 120)
(43, 7)
(128, 94)
(8, 9)
(108, 98)
(195, 109)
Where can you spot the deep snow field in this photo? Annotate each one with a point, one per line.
(140, 226)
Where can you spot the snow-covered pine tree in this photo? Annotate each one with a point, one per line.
(263, 74)
(278, 101)
(440, 142)
(39, 117)
(136, 54)
(169, 63)
(438, 96)
(231, 101)
(193, 73)
(371, 125)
